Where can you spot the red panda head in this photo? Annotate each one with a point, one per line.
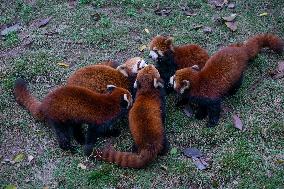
(123, 93)
(132, 66)
(159, 45)
(148, 78)
(182, 79)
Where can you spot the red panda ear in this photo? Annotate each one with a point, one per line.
(169, 41)
(122, 69)
(110, 88)
(195, 67)
(185, 85)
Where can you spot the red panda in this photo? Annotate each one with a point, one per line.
(221, 75)
(169, 58)
(68, 107)
(146, 123)
(110, 63)
(97, 77)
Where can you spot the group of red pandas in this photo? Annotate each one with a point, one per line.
(98, 95)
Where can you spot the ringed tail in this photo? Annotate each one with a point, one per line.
(254, 44)
(25, 98)
(127, 159)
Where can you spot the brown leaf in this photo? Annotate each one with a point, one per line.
(237, 122)
(71, 4)
(188, 13)
(231, 5)
(163, 11)
(230, 18)
(192, 152)
(41, 22)
(232, 26)
(207, 29)
(13, 28)
(218, 3)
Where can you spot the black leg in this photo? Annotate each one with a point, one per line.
(214, 114)
(90, 139)
(166, 146)
(201, 112)
(180, 101)
(134, 148)
(107, 130)
(235, 87)
(78, 133)
(63, 132)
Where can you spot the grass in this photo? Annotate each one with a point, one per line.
(97, 30)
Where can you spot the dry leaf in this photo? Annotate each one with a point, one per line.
(163, 12)
(263, 14)
(19, 157)
(231, 5)
(237, 122)
(82, 166)
(13, 28)
(41, 22)
(230, 18)
(232, 26)
(146, 30)
(142, 48)
(30, 158)
(10, 186)
(63, 64)
(192, 152)
(207, 29)
(198, 163)
(188, 13)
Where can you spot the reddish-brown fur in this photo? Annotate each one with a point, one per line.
(69, 106)
(145, 122)
(110, 63)
(97, 77)
(184, 55)
(223, 72)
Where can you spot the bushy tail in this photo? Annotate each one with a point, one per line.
(25, 98)
(127, 159)
(254, 44)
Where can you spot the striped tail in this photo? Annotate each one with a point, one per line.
(254, 44)
(127, 159)
(25, 98)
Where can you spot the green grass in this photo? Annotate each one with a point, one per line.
(100, 30)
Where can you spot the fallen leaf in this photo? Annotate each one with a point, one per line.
(19, 157)
(30, 158)
(237, 122)
(41, 22)
(13, 28)
(198, 163)
(162, 11)
(63, 64)
(231, 5)
(230, 18)
(82, 166)
(279, 161)
(218, 3)
(279, 72)
(196, 27)
(207, 29)
(164, 167)
(263, 14)
(146, 30)
(188, 13)
(71, 4)
(96, 16)
(45, 187)
(10, 186)
(142, 48)
(173, 151)
(232, 26)
(192, 152)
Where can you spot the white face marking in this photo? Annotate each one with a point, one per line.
(135, 84)
(135, 68)
(122, 70)
(110, 86)
(126, 99)
(185, 87)
(172, 80)
(174, 83)
(153, 55)
(142, 64)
